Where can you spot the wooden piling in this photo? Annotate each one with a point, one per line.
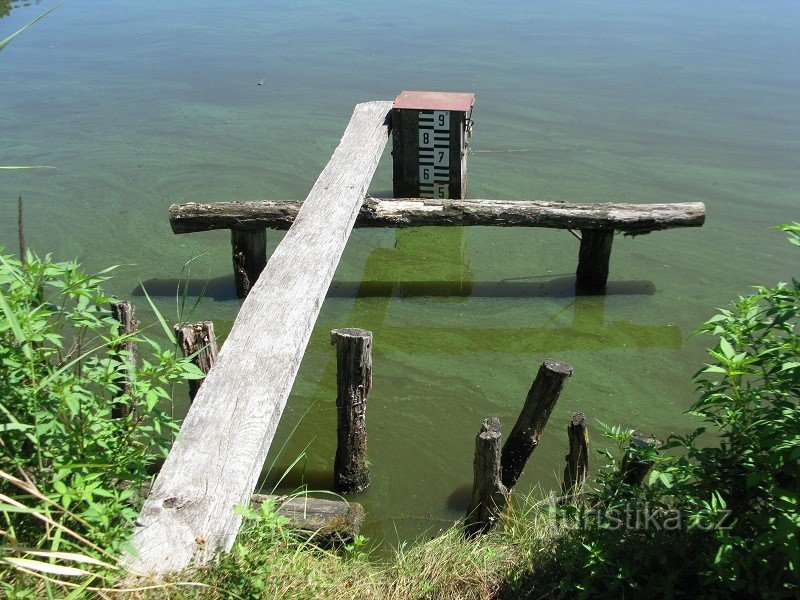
(354, 380)
(197, 339)
(489, 495)
(125, 351)
(249, 248)
(539, 403)
(577, 469)
(633, 469)
(593, 261)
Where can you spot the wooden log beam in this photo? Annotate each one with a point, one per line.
(324, 522)
(594, 257)
(219, 452)
(539, 403)
(353, 383)
(631, 219)
(639, 457)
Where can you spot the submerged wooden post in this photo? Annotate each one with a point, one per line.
(249, 248)
(634, 470)
(489, 495)
(125, 351)
(593, 259)
(577, 469)
(353, 381)
(539, 403)
(197, 338)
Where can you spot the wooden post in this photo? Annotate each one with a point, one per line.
(489, 495)
(197, 338)
(577, 469)
(539, 403)
(123, 312)
(353, 381)
(633, 470)
(593, 259)
(249, 258)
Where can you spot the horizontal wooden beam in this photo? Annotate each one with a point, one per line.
(220, 449)
(325, 522)
(415, 212)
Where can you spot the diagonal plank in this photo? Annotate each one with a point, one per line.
(223, 442)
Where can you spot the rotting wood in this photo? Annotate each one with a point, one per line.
(630, 219)
(219, 452)
(489, 495)
(635, 465)
(249, 250)
(577, 469)
(594, 257)
(197, 339)
(539, 403)
(324, 522)
(353, 383)
(125, 351)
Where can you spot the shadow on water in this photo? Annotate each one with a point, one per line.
(281, 480)
(459, 498)
(222, 289)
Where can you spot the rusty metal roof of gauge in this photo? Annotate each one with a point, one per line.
(435, 101)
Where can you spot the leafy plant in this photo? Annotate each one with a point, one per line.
(64, 376)
(736, 502)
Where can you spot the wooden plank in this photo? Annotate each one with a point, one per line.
(631, 219)
(216, 460)
(325, 522)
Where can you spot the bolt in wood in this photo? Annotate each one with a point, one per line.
(539, 403)
(577, 469)
(249, 248)
(593, 261)
(197, 339)
(354, 381)
(633, 468)
(125, 351)
(489, 495)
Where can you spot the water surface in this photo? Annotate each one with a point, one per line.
(143, 104)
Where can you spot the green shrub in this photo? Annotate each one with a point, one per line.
(62, 373)
(737, 502)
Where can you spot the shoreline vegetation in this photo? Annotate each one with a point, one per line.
(718, 520)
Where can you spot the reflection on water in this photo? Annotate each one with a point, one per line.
(7, 5)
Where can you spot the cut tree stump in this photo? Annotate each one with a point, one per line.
(577, 469)
(125, 351)
(198, 339)
(353, 382)
(634, 470)
(489, 495)
(539, 403)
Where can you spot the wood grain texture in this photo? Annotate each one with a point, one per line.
(197, 339)
(632, 219)
(125, 352)
(249, 250)
(351, 472)
(539, 403)
(324, 522)
(489, 495)
(577, 469)
(220, 450)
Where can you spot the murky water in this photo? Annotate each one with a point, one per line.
(143, 104)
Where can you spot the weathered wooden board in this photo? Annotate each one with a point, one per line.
(216, 460)
(378, 212)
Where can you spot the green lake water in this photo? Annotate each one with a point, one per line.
(142, 104)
